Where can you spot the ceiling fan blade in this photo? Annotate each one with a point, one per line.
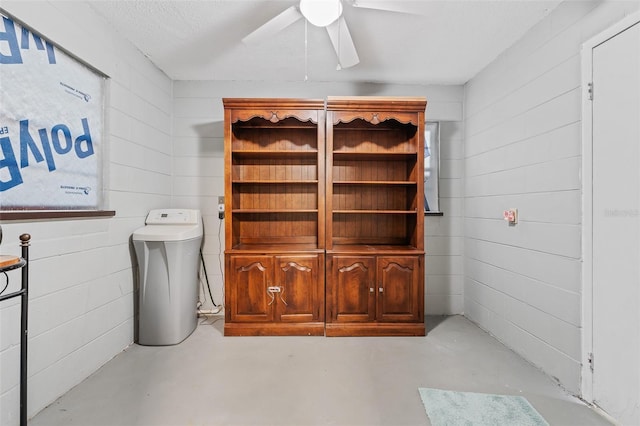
(274, 25)
(387, 5)
(343, 43)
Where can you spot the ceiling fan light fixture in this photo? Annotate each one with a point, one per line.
(321, 13)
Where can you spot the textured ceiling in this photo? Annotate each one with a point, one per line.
(444, 42)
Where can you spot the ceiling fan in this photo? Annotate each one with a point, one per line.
(328, 14)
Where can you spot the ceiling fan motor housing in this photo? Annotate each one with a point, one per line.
(321, 13)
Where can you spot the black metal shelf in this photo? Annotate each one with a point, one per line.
(24, 317)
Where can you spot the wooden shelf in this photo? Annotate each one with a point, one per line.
(275, 154)
(276, 248)
(375, 212)
(8, 260)
(275, 182)
(375, 182)
(375, 248)
(380, 155)
(272, 211)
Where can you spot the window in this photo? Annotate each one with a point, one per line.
(51, 129)
(431, 166)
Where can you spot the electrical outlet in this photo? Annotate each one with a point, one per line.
(220, 208)
(511, 216)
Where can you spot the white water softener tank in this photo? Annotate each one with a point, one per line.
(168, 250)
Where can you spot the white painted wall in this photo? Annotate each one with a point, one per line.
(523, 150)
(81, 294)
(199, 169)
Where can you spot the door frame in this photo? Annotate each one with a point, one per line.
(587, 196)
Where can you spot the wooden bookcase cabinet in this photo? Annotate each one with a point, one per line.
(375, 216)
(275, 216)
(290, 199)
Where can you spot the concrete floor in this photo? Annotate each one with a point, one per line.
(212, 380)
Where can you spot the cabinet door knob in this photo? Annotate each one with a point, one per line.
(371, 290)
(380, 289)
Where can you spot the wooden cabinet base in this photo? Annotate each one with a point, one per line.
(369, 329)
(274, 329)
(322, 329)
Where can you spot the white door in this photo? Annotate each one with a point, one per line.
(616, 226)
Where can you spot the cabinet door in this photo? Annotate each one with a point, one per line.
(352, 289)
(296, 291)
(398, 288)
(249, 280)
